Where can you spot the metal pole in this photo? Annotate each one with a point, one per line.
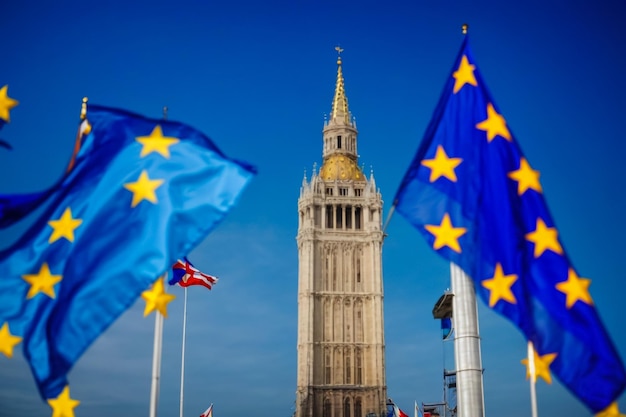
(156, 359)
(533, 379)
(469, 370)
(182, 366)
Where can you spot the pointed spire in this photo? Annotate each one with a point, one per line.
(340, 110)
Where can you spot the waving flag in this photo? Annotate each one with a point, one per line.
(208, 412)
(186, 275)
(6, 104)
(394, 410)
(479, 203)
(141, 193)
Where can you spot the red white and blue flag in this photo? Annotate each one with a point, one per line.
(208, 412)
(186, 275)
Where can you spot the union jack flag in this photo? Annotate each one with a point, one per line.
(186, 275)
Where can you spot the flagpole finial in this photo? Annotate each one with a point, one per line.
(83, 109)
(464, 28)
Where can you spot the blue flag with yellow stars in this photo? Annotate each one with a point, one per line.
(479, 203)
(141, 194)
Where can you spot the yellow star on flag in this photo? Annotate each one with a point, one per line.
(526, 177)
(544, 238)
(500, 286)
(8, 341)
(441, 165)
(63, 405)
(611, 411)
(446, 235)
(64, 227)
(156, 298)
(6, 104)
(464, 75)
(43, 281)
(156, 142)
(143, 189)
(495, 125)
(542, 366)
(575, 288)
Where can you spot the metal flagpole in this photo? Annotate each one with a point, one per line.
(533, 379)
(469, 372)
(156, 358)
(182, 366)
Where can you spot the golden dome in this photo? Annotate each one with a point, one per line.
(340, 167)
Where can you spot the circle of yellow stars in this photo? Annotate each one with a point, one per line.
(65, 226)
(544, 237)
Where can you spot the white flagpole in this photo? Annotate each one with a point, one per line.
(182, 366)
(467, 357)
(533, 379)
(156, 358)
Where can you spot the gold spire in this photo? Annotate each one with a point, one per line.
(340, 101)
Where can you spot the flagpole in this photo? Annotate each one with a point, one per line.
(182, 366)
(393, 208)
(469, 370)
(156, 358)
(533, 379)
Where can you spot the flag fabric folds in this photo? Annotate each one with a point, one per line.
(478, 202)
(186, 275)
(394, 410)
(208, 412)
(141, 194)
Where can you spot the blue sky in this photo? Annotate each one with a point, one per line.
(258, 77)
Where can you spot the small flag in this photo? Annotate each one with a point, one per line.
(398, 413)
(393, 410)
(478, 202)
(186, 275)
(208, 412)
(141, 193)
(446, 327)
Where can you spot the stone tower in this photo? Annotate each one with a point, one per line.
(341, 345)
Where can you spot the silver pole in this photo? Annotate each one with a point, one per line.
(182, 366)
(469, 370)
(156, 358)
(533, 379)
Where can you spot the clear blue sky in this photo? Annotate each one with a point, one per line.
(257, 77)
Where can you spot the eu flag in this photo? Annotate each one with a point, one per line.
(141, 194)
(479, 203)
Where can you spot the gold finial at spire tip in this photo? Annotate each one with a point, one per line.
(83, 109)
(464, 28)
(339, 50)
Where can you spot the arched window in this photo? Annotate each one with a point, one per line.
(357, 407)
(346, 407)
(327, 368)
(357, 218)
(326, 407)
(334, 266)
(359, 367)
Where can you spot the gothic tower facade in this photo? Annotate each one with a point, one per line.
(341, 346)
